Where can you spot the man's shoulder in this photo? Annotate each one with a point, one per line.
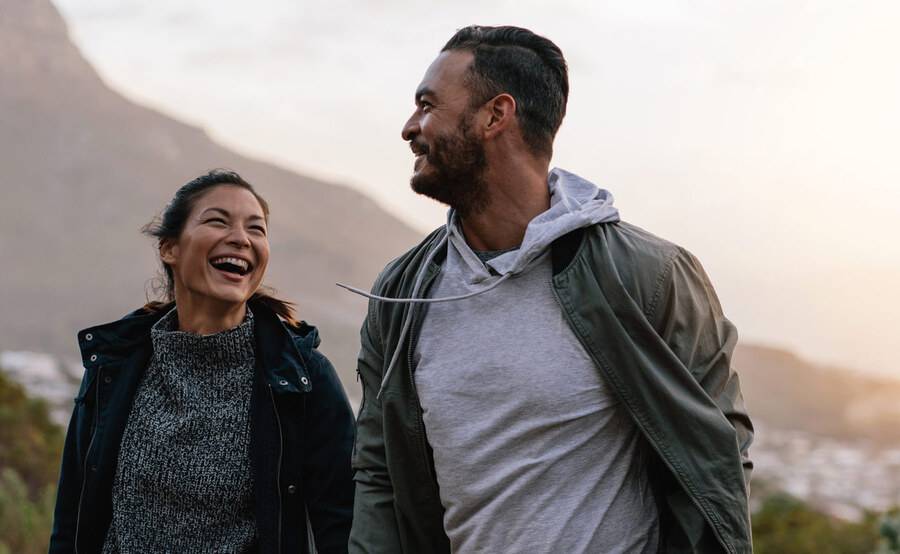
(643, 262)
(633, 245)
(406, 263)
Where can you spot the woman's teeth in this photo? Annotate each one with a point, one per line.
(227, 263)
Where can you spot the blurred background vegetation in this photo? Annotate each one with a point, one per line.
(31, 447)
(30, 451)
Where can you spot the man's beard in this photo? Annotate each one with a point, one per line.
(456, 177)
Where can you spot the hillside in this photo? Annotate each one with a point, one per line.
(788, 392)
(84, 168)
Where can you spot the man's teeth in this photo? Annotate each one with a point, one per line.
(233, 261)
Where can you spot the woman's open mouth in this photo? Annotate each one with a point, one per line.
(231, 265)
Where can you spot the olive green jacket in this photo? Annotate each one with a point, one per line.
(648, 316)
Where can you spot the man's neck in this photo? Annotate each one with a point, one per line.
(515, 199)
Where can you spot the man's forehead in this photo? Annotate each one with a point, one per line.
(447, 70)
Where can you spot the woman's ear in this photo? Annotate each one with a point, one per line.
(168, 252)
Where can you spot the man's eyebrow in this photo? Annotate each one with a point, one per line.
(423, 91)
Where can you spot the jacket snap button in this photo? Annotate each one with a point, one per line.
(292, 489)
(93, 357)
(304, 380)
(283, 382)
(107, 379)
(93, 468)
(89, 337)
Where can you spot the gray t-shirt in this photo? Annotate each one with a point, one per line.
(532, 451)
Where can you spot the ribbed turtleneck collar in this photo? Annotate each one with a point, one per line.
(227, 349)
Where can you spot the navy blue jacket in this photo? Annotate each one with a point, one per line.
(301, 425)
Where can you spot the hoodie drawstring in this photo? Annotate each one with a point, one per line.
(413, 300)
(407, 320)
(388, 299)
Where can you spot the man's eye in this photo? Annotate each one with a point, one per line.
(216, 220)
(258, 229)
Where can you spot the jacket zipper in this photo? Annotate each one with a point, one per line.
(87, 455)
(280, 452)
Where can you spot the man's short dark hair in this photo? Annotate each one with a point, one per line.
(524, 65)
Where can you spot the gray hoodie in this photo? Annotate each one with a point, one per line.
(574, 203)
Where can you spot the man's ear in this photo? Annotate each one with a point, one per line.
(168, 252)
(501, 114)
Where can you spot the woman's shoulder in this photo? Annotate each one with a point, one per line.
(109, 341)
(151, 310)
(135, 322)
(275, 334)
(306, 339)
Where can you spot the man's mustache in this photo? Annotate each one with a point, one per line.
(418, 148)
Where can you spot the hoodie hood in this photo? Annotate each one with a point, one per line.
(574, 203)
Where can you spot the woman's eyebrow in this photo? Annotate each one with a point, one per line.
(226, 213)
(220, 210)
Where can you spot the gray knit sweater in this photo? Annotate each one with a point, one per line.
(183, 481)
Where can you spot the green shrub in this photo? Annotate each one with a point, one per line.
(890, 533)
(30, 452)
(30, 443)
(785, 525)
(24, 521)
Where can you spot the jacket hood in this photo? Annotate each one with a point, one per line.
(574, 203)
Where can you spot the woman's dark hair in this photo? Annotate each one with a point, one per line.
(170, 224)
(526, 66)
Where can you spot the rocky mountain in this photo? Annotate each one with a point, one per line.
(83, 168)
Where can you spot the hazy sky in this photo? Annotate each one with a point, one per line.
(763, 136)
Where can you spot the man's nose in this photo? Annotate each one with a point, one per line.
(410, 128)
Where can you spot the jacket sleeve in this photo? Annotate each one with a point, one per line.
(689, 318)
(374, 521)
(328, 483)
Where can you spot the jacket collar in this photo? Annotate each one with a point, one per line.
(283, 351)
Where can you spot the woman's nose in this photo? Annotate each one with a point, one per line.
(239, 237)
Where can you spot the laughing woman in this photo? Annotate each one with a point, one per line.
(208, 423)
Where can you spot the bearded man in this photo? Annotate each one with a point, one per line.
(538, 375)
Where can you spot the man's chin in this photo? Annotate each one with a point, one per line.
(424, 184)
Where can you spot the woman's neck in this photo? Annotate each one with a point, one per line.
(206, 316)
